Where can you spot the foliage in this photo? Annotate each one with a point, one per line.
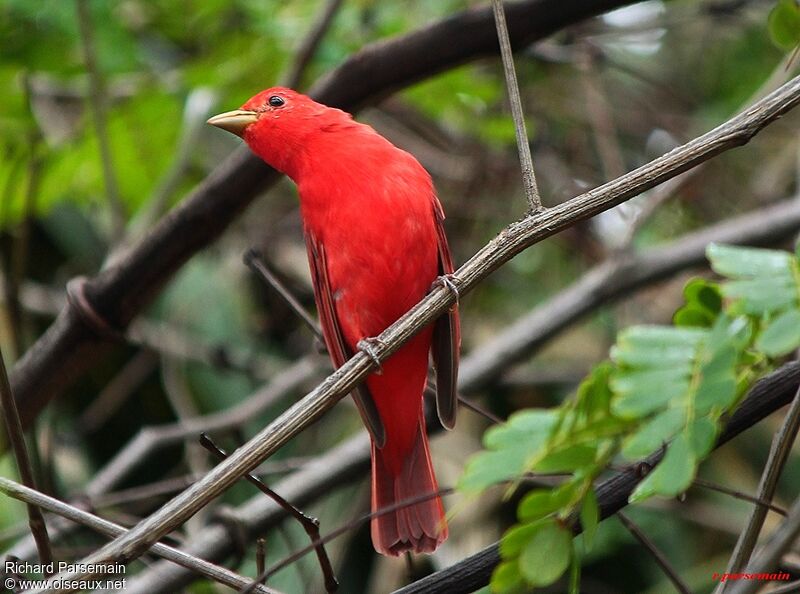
(663, 385)
(784, 24)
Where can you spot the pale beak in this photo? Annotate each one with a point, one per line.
(234, 121)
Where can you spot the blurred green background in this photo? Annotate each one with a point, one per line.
(601, 98)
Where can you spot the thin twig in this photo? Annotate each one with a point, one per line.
(770, 554)
(255, 262)
(310, 44)
(349, 526)
(525, 159)
(511, 241)
(477, 408)
(118, 390)
(261, 558)
(97, 107)
(309, 524)
(204, 568)
(151, 439)
(698, 482)
(654, 551)
(601, 116)
(778, 455)
(17, 439)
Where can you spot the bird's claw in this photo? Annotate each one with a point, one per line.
(368, 346)
(449, 281)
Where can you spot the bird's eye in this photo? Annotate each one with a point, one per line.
(276, 101)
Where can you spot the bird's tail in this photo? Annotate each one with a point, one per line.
(420, 527)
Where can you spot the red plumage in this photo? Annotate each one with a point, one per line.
(373, 228)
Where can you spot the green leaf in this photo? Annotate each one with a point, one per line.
(782, 335)
(762, 295)
(641, 393)
(703, 293)
(509, 448)
(654, 434)
(702, 436)
(574, 572)
(567, 459)
(672, 476)
(590, 517)
(546, 555)
(784, 24)
(703, 304)
(516, 537)
(692, 316)
(487, 468)
(528, 424)
(741, 262)
(542, 502)
(506, 578)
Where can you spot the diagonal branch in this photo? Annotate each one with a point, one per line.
(17, 439)
(204, 568)
(778, 456)
(511, 241)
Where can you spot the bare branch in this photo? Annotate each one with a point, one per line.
(255, 262)
(345, 463)
(151, 439)
(17, 439)
(309, 524)
(778, 455)
(523, 146)
(310, 44)
(511, 241)
(97, 107)
(698, 482)
(204, 568)
(616, 278)
(771, 553)
(654, 551)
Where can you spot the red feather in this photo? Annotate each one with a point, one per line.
(375, 241)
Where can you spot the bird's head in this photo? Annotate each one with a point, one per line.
(276, 124)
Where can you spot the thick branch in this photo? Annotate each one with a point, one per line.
(511, 241)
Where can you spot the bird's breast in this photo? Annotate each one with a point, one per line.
(380, 246)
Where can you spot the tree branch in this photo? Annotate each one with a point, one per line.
(199, 566)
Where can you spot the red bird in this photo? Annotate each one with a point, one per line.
(373, 230)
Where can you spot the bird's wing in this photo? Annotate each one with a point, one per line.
(331, 330)
(446, 336)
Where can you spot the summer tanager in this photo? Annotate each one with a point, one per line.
(373, 230)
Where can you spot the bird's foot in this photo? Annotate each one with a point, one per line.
(368, 345)
(449, 281)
